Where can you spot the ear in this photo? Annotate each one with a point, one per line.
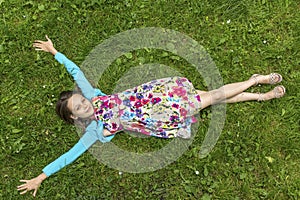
(73, 117)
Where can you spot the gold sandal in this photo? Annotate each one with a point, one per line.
(279, 91)
(272, 78)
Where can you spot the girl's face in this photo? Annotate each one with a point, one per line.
(80, 107)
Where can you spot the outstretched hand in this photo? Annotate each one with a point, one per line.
(46, 46)
(32, 184)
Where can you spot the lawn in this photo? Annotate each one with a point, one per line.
(257, 155)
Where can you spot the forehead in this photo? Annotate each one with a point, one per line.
(73, 100)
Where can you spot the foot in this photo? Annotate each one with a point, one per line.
(271, 79)
(277, 92)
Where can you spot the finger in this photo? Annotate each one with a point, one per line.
(36, 44)
(22, 187)
(23, 192)
(24, 181)
(38, 41)
(47, 37)
(34, 193)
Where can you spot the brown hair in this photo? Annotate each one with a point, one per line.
(61, 107)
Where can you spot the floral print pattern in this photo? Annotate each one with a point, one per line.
(162, 108)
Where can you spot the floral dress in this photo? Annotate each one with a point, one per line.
(162, 108)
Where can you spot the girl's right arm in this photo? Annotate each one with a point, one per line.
(83, 144)
(93, 133)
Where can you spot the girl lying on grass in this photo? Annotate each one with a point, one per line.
(163, 108)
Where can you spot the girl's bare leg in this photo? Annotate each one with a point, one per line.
(244, 96)
(228, 91)
(225, 92)
(247, 96)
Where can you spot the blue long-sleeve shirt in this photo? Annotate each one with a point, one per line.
(93, 132)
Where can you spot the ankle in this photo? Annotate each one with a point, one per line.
(253, 81)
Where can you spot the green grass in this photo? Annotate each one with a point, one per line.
(257, 155)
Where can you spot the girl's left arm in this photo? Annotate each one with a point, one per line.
(88, 91)
(86, 88)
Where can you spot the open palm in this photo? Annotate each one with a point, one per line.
(46, 46)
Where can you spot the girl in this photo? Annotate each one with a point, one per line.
(163, 108)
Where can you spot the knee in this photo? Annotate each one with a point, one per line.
(212, 97)
(217, 96)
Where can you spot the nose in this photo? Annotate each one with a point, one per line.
(84, 106)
